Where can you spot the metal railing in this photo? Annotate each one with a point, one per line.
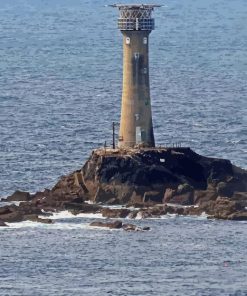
(136, 24)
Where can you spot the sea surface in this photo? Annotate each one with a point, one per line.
(60, 91)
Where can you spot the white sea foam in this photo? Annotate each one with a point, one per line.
(25, 224)
(3, 203)
(57, 225)
(204, 215)
(69, 215)
(89, 202)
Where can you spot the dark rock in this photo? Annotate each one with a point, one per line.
(115, 213)
(238, 216)
(12, 217)
(76, 209)
(178, 211)
(184, 188)
(2, 224)
(221, 208)
(19, 196)
(202, 196)
(78, 200)
(241, 198)
(112, 225)
(7, 209)
(140, 204)
(26, 208)
(153, 196)
(104, 194)
(183, 199)
(152, 212)
(224, 189)
(183, 195)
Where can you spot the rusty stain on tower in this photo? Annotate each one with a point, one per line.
(136, 126)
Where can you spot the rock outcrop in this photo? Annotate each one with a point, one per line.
(19, 196)
(176, 175)
(145, 178)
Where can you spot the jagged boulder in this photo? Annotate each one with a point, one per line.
(19, 196)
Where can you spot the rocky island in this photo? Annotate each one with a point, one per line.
(145, 183)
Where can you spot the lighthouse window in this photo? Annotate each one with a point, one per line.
(137, 55)
(127, 40)
(145, 40)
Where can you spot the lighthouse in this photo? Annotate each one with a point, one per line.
(136, 125)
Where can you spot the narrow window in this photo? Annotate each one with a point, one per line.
(127, 40)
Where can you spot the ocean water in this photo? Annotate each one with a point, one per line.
(60, 90)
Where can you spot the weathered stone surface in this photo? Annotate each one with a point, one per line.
(224, 189)
(153, 196)
(135, 198)
(112, 225)
(7, 209)
(104, 194)
(19, 196)
(140, 204)
(12, 217)
(238, 216)
(202, 196)
(115, 213)
(183, 195)
(183, 199)
(76, 209)
(221, 208)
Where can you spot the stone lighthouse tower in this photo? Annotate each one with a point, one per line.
(136, 127)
